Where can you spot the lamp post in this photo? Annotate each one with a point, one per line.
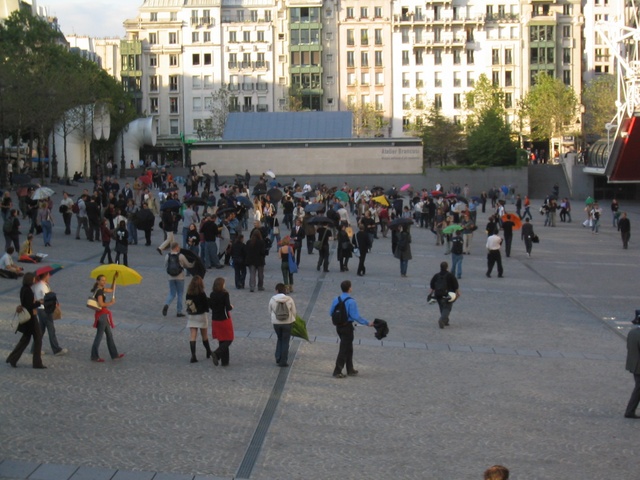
(124, 129)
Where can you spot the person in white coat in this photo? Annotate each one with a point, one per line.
(282, 310)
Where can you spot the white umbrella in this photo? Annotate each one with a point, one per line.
(42, 193)
(270, 173)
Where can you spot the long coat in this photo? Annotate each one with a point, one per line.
(404, 253)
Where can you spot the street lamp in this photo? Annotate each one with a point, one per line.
(124, 129)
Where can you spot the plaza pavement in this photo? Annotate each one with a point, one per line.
(530, 374)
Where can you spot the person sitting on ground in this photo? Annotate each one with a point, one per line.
(26, 251)
(8, 269)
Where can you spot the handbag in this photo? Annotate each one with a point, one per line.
(57, 313)
(293, 266)
(23, 314)
(535, 238)
(318, 243)
(356, 249)
(93, 304)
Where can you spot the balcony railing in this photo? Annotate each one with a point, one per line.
(234, 87)
(247, 87)
(262, 108)
(262, 86)
(247, 108)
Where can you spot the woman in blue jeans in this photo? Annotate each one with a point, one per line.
(103, 321)
(46, 222)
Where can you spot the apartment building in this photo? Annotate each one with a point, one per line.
(597, 57)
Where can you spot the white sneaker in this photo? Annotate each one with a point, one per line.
(64, 351)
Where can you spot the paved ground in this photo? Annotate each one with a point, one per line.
(530, 374)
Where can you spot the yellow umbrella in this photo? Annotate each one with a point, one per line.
(126, 275)
(382, 200)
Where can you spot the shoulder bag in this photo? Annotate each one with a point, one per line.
(293, 266)
(93, 304)
(23, 314)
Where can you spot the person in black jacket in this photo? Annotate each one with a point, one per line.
(197, 308)
(221, 323)
(441, 284)
(527, 235)
(255, 259)
(323, 235)
(624, 227)
(297, 236)
(238, 256)
(633, 366)
(28, 329)
(363, 244)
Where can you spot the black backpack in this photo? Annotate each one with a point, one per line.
(340, 316)
(456, 245)
(440, 285)
(173, 265)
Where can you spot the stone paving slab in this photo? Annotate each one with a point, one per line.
(529, 374)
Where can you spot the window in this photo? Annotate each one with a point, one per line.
(437, 101)
(379, 102)
(173, 105)
(207, 59)
(194, 17)
(406, 124)
(378, 58)
(495, 79)
(295, 37)
(419, 101)
(437, 79)
(246, 37)
(470, 80)
(350, 38)
(508, 100)
(253, 14)
(437, 56)
(364, 59)
(364, 37)
(154, 17)
(173, 83)
(260, 62)
(405, 57)
(350, 12)
(378, 36)
(508, 78)
(470, 57)
(419, 80)
(567, 9)
(153, 38)
(196, 81)
(457, 81)
(174, 128)
(405, 35)
(364, 12)
(267, 15)
(456, 101)
(437, 34)
(406, 83)
(206, 37)
(233, 60)
(195, 59)
(365, 78)
(377, 12)
(406, 102)
(173, 60)
(208, 103)
(240, 16)
(197, 104)
(379, 78)
(246, 60)
(495, 56)
(153, 60)
(351, 100)
(437, 12)
(350, 60)
(173, 38)
(195, 37)
(232, 37)
(351, 79)
(566, 55)
(260, 34)
(508, 56)
(417, 35)
(418, 55)
(501, 11)
(566, 77)
(457, 56)
(173, 16)
(153, 105)
(566, 31)
(329, 58)
(208, 81)
(153, 83)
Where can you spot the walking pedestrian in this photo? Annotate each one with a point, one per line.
(633, 366)
(403, 249)
(494, 242)
(344, 247)
(282, 310)
(363, 244)
(175, 264)
(345, 330)
(442, 284)
(526, 234)
(624, 227)
(45, 220)
(197, 318)
(30, 329)
(103, 319)
(45, 315)
(287, 274)
(105, 233)
(255, 259)
(457, 254)
(221, 322)
(65, 209)
(507, 227)
(122, 242)
(324, 234)
(238, 257)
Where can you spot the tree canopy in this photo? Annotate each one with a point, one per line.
(442, 139)
(599, 100)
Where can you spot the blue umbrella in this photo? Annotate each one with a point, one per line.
(169, 204)
(314, 207)
(244, 201)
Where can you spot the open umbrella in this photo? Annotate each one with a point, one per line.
(225, 210)
(319, 220)
(275, 195)
(198, 267)
(314, 207)
(436, 193)
(126, 275)
(310, 194)
(454, 227)
(200, 164)
(172, 189)
(259, 190)
(510, 217)
(381, 199)
(195, 201)
(589, 201)
(299, 329)
(342, 196)
(169, 204)
(50, 269)
(42, 193)
(400, 221)
(244, 201)
(299, 195)
(270, 173)
(405, 187)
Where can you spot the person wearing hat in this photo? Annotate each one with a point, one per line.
(633, 366)
(442, 283)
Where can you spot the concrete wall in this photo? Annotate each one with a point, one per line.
(300, 159)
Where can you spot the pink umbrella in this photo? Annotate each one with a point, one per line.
(405, 187)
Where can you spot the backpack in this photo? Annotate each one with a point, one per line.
(456, 246)
(173, 265)
(440, 285)
(282, 312)
(75, 208)
(340, 316)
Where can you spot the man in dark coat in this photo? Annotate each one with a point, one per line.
(441, 284)
(633, 365)
(624, 227)
(144, 220)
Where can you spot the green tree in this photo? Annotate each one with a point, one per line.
(599, 99)
(442, 139)
(550, 106)
(489, 141)
(484, 97)
(220, 108)
(367, 122)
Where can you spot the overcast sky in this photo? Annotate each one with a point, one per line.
(95, 18)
